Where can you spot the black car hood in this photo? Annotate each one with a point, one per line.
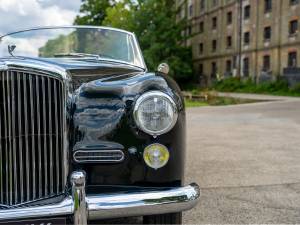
(74, 67)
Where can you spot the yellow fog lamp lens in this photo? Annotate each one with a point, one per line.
(156, 156)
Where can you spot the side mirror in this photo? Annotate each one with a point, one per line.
(163, 68)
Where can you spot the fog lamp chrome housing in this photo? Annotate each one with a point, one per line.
(156, 156)
(155, 113)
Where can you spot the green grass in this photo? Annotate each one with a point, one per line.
(217, 101)
(235, 85)
(193, 104)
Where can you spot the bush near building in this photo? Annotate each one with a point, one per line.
(279, 87)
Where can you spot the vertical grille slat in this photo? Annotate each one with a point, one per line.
(45, 136)
(32, 133)
(13, 128)
(62, 155)
(50, 134)
(1, 151)
(32, 152)
(38, 134)
(10, 173)
(4, 142)
(26, 119)
(56, 115)
(20, 138)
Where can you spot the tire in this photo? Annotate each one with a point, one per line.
(173, 218)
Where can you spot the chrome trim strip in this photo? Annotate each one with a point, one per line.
(98, 159)
(65, 143)
(104, 206)
(33, 66)
(68, 26)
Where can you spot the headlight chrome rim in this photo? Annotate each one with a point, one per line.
(145, 97)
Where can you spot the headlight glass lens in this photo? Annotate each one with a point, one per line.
(156, 156)
(155, 113)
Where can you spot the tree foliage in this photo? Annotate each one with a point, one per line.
(93, 12)
(154, 23)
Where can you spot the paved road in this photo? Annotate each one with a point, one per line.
(247, 160)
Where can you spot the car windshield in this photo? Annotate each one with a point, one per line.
(74, 42)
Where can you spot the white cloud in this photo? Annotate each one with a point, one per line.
(22, 14)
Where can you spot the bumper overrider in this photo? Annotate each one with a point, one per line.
(106, 206)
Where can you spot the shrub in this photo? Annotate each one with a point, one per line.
(279, 87)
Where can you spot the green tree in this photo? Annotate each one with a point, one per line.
(159, 33)
(93, 12)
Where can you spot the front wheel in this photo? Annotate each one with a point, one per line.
(173, 218)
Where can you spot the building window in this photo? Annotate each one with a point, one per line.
(201, 27)
(215, 3)
(266, 63)
(189, 31)
(246, 38)
(268, 6)
(214, 23)
(246, 67)
(191, 8)
(293, 27)
(228, 66)
(214, 45)
(200, 48)
(267, 33)
(229, 41)
(213, 69)
(292, 60)
(202, 5)
(294, 2)
(201, 69)
(247, 12)
(229, 18)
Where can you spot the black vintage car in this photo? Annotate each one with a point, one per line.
(87, 133)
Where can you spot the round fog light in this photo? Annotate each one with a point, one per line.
(156, 156)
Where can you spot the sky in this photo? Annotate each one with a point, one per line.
(22, 14)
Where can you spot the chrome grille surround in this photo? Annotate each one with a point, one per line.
(31, 119)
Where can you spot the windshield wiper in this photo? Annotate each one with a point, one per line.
(77, 55)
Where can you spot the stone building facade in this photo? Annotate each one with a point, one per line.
(247, 38)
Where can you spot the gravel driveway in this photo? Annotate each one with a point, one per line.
(246, 158)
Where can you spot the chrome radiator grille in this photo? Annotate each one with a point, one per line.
(31, 131)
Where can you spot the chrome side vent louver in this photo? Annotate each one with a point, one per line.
(99, 156)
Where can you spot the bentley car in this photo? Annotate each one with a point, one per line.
(87, 133)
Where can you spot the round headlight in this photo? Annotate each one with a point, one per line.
(155, 113)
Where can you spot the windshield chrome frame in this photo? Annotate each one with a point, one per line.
(139, 51)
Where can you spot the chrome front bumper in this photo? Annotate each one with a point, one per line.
(106, 206)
